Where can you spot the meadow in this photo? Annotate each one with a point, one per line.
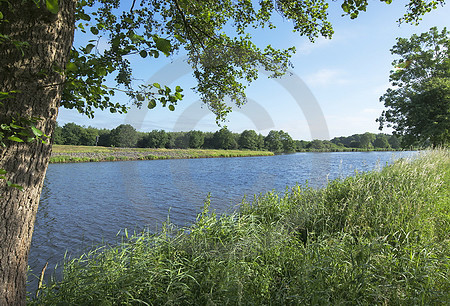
(71, 153)
(379, 237)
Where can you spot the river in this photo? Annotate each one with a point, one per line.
(86, 204)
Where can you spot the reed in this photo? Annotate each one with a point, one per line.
(71, 154)
(376, 238)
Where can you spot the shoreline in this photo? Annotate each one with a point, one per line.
(76, 154)
(79, 154)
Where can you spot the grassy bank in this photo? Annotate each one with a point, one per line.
(71, 154)
(376, 238)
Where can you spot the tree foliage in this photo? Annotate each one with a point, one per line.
(287, 142)
(151, 28)
(248, 140)
(124, 136)
(224, 139)
(196, 139)
(381, 141)
(273, 141)
(419, 102)
(278, 141)
(154, 139)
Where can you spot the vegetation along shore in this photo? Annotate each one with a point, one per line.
(379, 237)
(71, 154)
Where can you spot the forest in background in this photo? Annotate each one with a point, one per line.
(125, 135)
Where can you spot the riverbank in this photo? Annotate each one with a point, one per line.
(72, 154)
(379, 237)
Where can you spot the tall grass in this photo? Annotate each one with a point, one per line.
(376, 238)
(73, 154)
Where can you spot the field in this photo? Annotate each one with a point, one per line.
(70, 154)
(380, 237)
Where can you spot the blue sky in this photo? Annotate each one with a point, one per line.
(332, 90)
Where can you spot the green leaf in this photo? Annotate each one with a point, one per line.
(71, 67)
(1, 15)
(94, 30)
(14, 138)
(89, 48)
(136, 38)
(36, 131)
(143, 54)
(180, 39)
(171, 107)
(163, 45)
(178, 89)
(155, 54)
(52, 6)
(17, 127)
(152, 104)
(85, 17)
(14, 185)
(102, 71)
(3, 171)
(345, 7)
(157, 85)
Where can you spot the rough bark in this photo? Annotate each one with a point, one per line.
(32, 73)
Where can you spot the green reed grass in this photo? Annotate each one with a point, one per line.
(376, 238)
(123, 154)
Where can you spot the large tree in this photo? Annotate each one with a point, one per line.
(224, 139)
(418, 105)
(248, 140)
(124, 136)
(41, 70)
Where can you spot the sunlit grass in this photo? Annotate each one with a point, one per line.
(376, 238)
(69, 153)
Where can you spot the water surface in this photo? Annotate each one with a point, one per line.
(85, 204)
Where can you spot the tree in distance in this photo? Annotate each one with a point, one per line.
(224, 139)
(381, 141)
(196, 139)
(248, 140)
(366, 139)
(287, 142)
(124, 136)
(418, 107)
(154, 139)
(41, 69)
(273, 141)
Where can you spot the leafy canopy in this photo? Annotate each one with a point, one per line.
(223, 61)
(419, 101)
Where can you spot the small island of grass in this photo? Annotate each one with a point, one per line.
(71, 153)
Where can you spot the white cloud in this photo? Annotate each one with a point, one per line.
(381, 89)
(327, 77)
(371, 111)
(353, 124)
(306, 47)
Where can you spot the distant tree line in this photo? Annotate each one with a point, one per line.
(366, 141)
(277, 141)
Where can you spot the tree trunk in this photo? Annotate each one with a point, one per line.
(31, 71)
